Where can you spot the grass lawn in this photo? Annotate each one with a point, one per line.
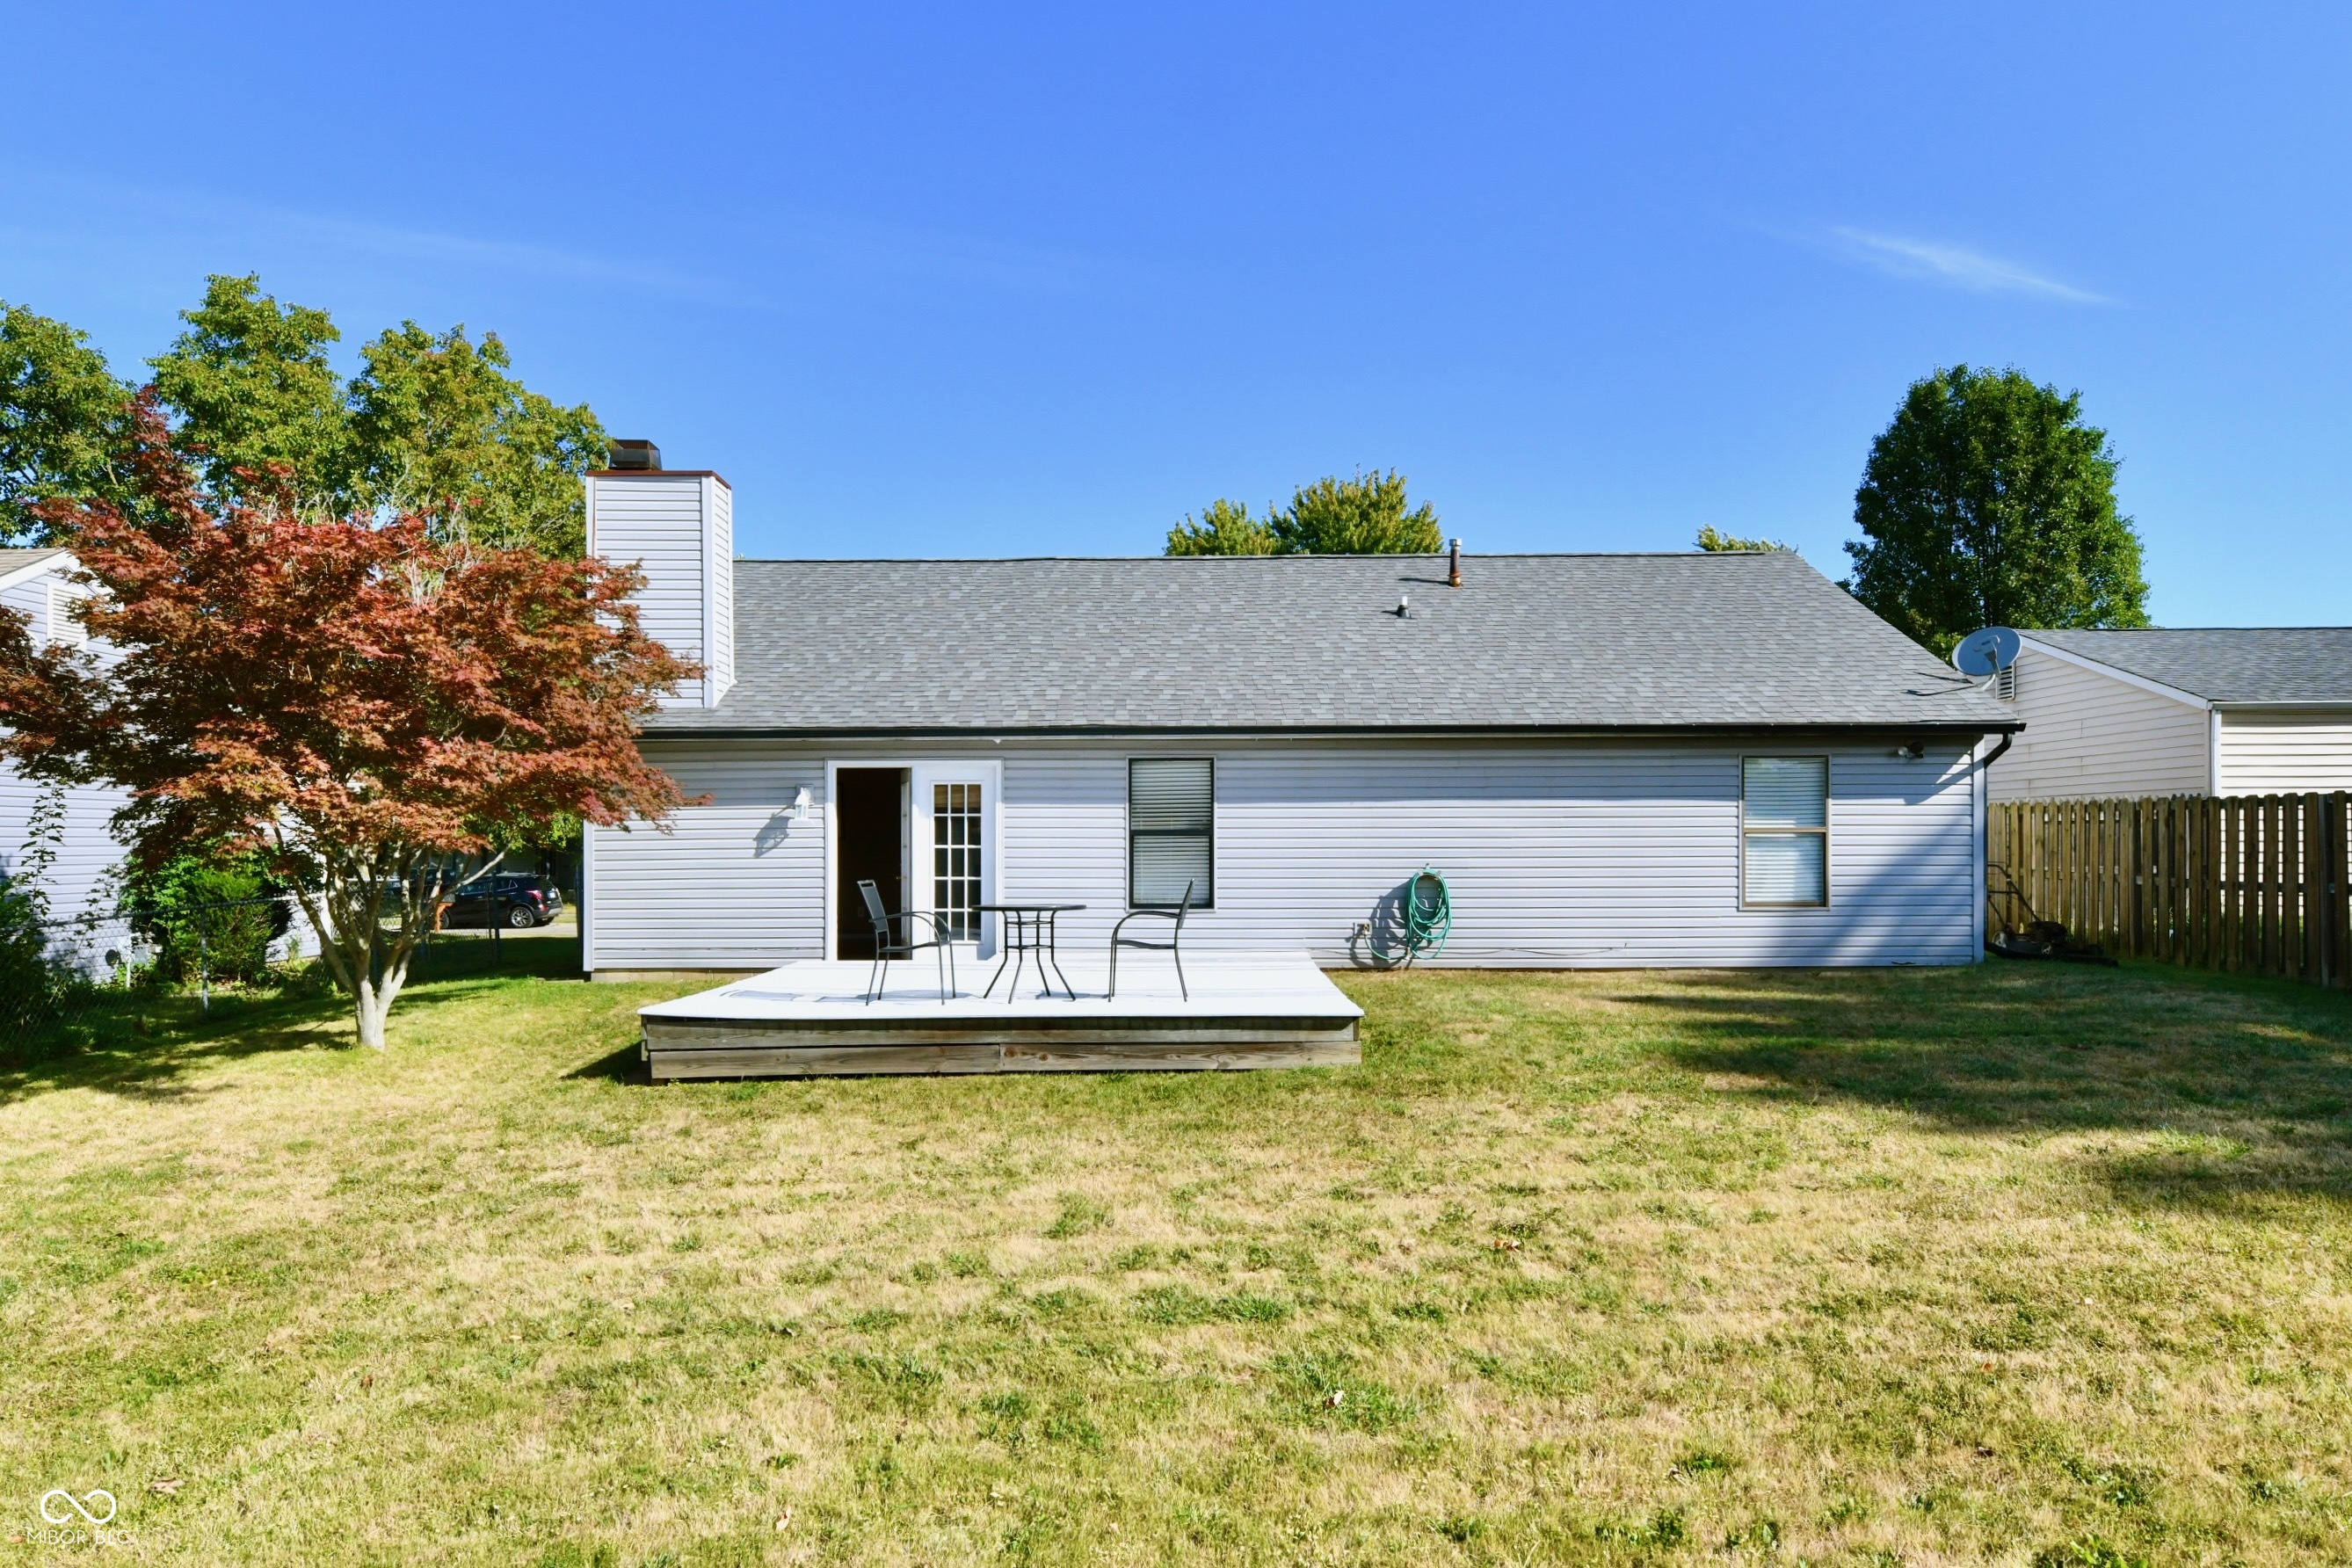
(2016, 1265)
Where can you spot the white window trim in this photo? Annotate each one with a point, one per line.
(1187, 757)
(1829, 820)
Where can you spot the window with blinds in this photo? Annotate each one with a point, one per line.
(1171, 819)
(1784, 831)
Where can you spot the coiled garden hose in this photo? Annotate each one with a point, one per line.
(1428, 916)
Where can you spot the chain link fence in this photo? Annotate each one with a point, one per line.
(104, 979)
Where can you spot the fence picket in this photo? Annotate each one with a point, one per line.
(2339, 894)
(2272, 833)
(2291, 885)
(2191, 866)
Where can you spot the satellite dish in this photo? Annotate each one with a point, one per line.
(1986, 651)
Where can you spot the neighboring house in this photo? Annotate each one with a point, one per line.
(2201, 711)
(78, 884)
(1614, 760)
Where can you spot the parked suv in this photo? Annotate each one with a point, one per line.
(516, 900)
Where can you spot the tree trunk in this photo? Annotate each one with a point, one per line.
(348, 917)
(367, 1012)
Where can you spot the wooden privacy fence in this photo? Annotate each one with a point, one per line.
(2253, 883)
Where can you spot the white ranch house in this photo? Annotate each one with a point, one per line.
(1614, 760)
(2221, 711)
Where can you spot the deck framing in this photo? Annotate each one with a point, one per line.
(1249, 1013)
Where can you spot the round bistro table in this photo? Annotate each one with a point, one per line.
(1029, 935)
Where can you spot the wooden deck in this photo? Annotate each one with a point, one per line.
(1246, 1010)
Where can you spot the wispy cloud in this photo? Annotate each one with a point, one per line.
(68, 212)
(780, 261)
(1955, 265)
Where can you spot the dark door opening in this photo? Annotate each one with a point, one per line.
(869, 845)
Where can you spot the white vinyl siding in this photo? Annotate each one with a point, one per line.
(1557, 855)
(79, 885)
(721, 597)
(2090, 735)
(679, 528)
(86, 851)
(34, 598)
(1172, 823)
(2286, 753)
(736, 884)
(1784, 831)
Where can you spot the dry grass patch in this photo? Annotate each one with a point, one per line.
(2009, 1265)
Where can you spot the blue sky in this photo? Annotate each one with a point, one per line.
(1025, 280)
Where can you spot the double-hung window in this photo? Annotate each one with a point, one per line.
(1784, 831)
(1171, 830)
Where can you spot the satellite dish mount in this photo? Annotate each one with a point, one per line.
(1986, 652)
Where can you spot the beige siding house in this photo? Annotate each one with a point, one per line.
(2201, 711)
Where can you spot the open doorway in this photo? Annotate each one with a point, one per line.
(870, 845)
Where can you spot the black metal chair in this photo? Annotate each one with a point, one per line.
(894, 938)
(1170, 947)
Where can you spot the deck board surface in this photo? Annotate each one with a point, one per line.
(1246, 1010)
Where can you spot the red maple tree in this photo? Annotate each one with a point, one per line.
(374, 711)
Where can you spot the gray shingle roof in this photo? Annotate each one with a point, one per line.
(1313, 642)
(2227, 664)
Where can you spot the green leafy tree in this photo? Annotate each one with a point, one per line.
(63, 419)
(252, 388)
(1988, 501)
(1714, 541)
(440, 430)
(1226, 528)
(432, 427)
(1366, 515)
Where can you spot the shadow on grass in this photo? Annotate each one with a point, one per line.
(146, 1045)
(626, 1065)
(2248, 1083)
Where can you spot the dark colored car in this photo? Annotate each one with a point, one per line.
(518, 900)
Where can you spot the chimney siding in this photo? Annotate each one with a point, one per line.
(679, 530)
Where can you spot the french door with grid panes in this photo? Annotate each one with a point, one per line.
(955, 859)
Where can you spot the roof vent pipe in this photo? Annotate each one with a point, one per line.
(1453, 564)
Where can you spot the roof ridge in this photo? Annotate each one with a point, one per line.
(1206, 560)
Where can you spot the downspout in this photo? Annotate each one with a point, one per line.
(1981, 801)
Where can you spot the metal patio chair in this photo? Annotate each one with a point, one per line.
(1170, 947)
(894, 938)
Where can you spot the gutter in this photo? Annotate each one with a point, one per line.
(2305, 705)
(2006, 727)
